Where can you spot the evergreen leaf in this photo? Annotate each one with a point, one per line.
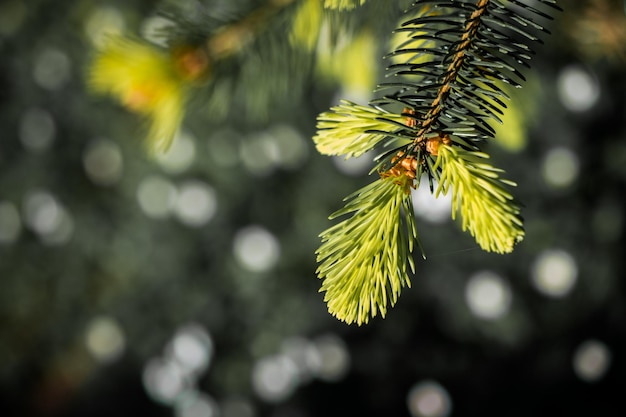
(144, 79)
(351, 129)
(452, 55)
(487, 209)
(363, 259)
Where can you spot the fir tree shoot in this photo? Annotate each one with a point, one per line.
(351, 129)
(487, 210)
(449, 62)
(156, 82)
(364, 258)
(148, 81)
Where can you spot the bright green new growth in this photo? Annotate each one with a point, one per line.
(364, 258)
(348, 129)
(342, 4)
(487, 210)
(447, 68)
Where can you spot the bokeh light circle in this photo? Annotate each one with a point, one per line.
(578, 89)
(156, 196)
(192, 348)
(164, 380)
(591, 360)
(274, 378)
(196, 203)
(488, 296)
(304, 354)
(105, 339)
(37, 129)
(103, 162)
(430, 208)
(429, 399)
(334, 358)
(52, 69)
(554, 273)
(560, 167)
(44, 214)
(256, 249)
(180, 155)
(103, 22)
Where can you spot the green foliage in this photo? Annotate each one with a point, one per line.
(364, 258)
(307, 23)
(449, 66)
(145, 80)
(467, 49)
(350, 129)
(342, 4)
(478, 195)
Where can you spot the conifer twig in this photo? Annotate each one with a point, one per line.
(447, 90)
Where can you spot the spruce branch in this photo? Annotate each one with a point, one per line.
(156, 82)
(466, 50)
(148, 81)
(488, 211)
(363, 259)
(450, 62)
(351, 129)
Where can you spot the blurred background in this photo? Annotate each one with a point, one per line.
(184, 285)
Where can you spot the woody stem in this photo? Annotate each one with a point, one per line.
(471, 27)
